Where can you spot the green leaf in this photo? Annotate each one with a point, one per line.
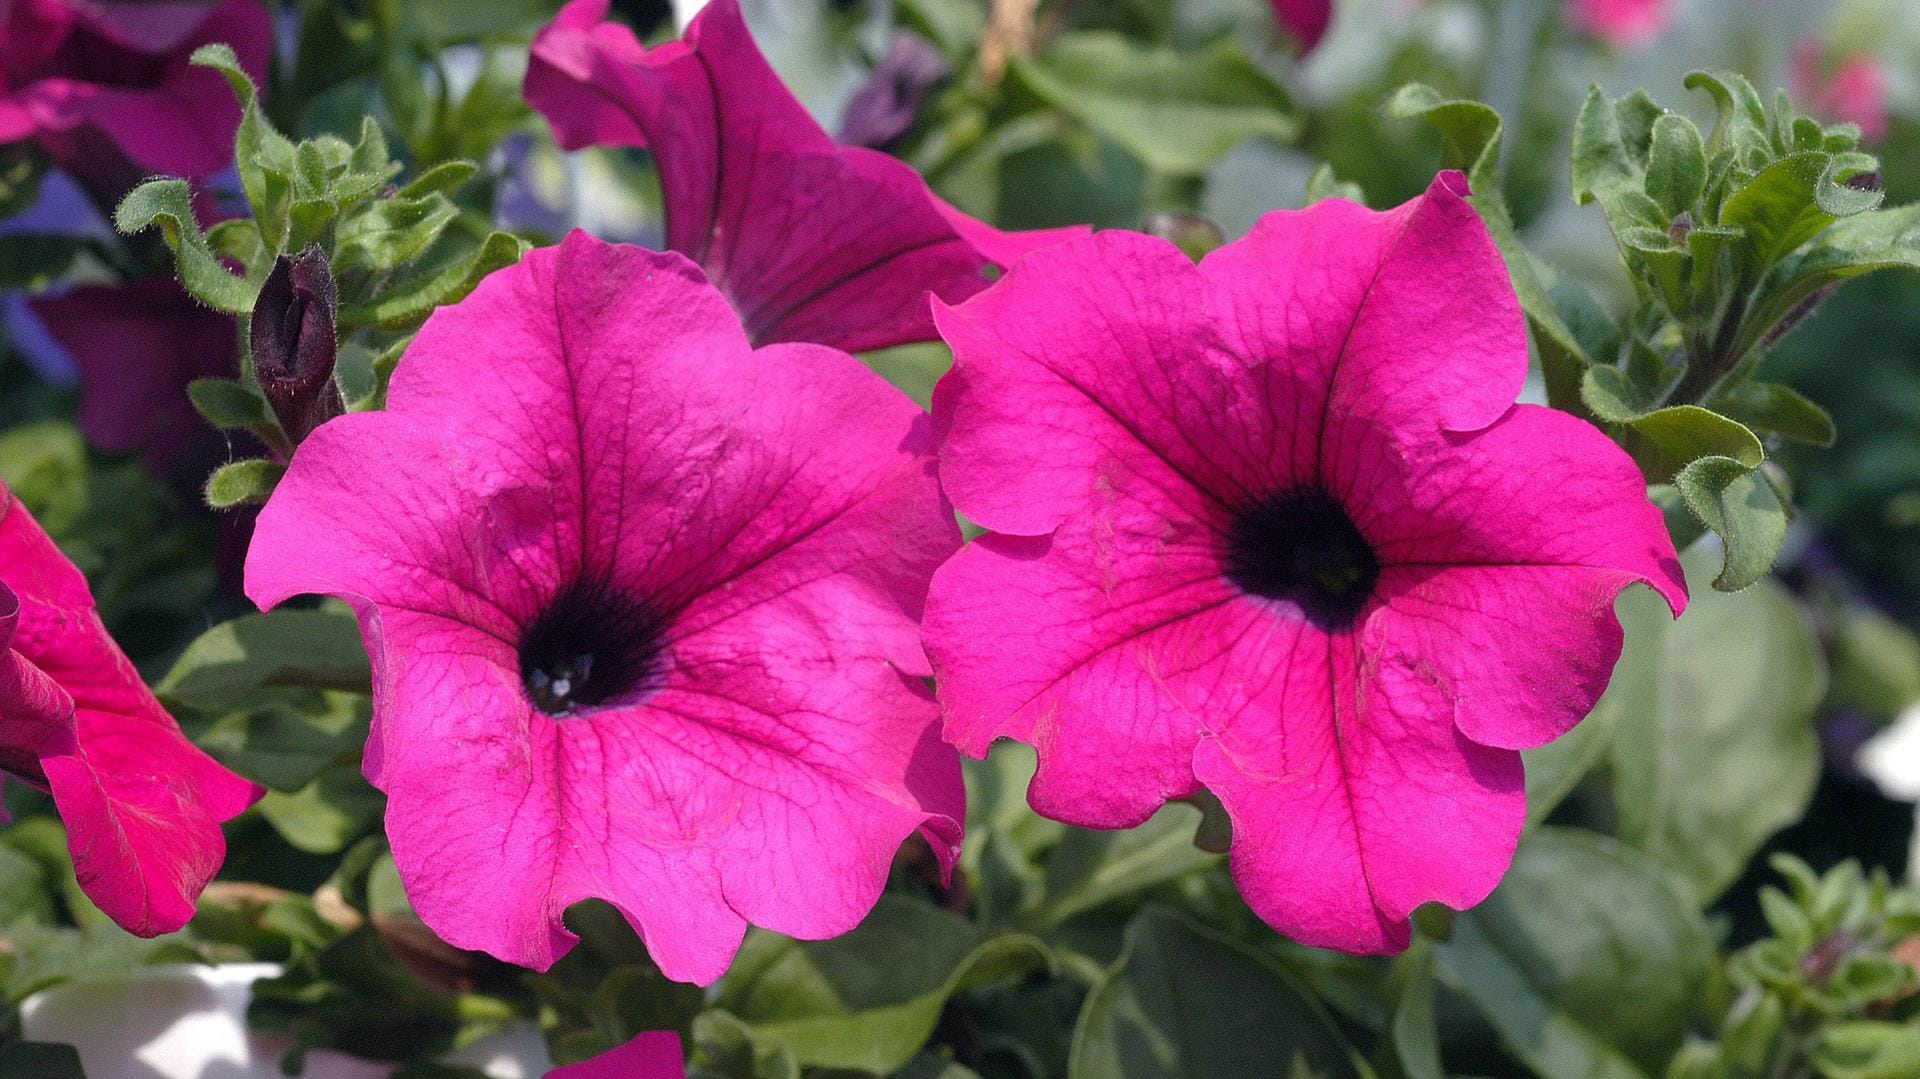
(225, 666)
(444, 178)
(1090, 868)
(1469, 130)
(1740, 505)
(248, 482)
(1601, 161)
(1867, 1050)
(26, 892)
(391, 232)
(1715, 748)
(286, 738)
(1177, 112)
(852, 1002)
(406, 306)
(1776, 208)
(263, 156)
(1323, 185)
(228, 403)
(1555, 769)
(324, 816)
(169, 204)
(1777, 410)
(1588, 960)
(1676, 164)
(1667, 440)
(1738, 103)
(1186, 1002)
(1882, 239)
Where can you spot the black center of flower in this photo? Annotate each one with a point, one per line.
(1300, 546)
(591, 645)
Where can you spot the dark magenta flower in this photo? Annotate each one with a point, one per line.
(141, 804)
(105, 86)
(137, 346)
(811, 240)
(643, 608)
(1305, 21)
(294, 343)
(1272, 525)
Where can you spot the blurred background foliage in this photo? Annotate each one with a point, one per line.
(1712, 885)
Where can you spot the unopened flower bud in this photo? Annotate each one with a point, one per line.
(1677, 231)
(884, 108)
(294, 344)
(1866, 181)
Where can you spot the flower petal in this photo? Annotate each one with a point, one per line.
(810, 240)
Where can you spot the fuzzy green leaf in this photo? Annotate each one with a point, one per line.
(242, 483)
(263, 156)
(1676, 164)
(229, 404)
(1740, 504)
(392, 232)
(1778, 410)
(169, 204)
(225, 666)
(407, 305)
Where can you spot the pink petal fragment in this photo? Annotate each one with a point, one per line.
(596, 414)
(810, 240)
(141, 804)
(653, 1054)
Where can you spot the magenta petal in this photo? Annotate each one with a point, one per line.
(1305, 20)
(1274, 526)
(812, 241)
(141, 804)
(653, 1054)
(743, 539)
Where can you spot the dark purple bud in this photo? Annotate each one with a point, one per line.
(1866, 181)
(883, 109)
(294, 345)
(1677, 231)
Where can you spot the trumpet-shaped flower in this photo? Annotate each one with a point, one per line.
(1273, 526)
(812, 241)
(141, 804)
(642, 605)
(105, 85)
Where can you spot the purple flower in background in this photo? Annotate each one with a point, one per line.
(883, 109)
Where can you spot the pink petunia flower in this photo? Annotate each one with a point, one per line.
(137, 346)
(1306, 21)
(812, 241)
(141, 804)
(1624, 24)
(1273, 526)
(653, 1054)
(1851, 89)
(105, 86)
(643, 610)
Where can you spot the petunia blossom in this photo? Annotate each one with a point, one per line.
(654, 1054)
(142, 805)
(812, 241)
(137, 346)
(1850, 89)
(642, 604)
(1625, 24)
(1273, 526)
(105, 85)
(1305, 21)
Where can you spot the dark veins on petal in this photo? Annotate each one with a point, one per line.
(592, 644)
(1299, 546)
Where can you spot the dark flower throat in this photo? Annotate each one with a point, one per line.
(593, 644)
(1300, 546)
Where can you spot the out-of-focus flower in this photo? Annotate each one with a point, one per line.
(643, 607)
(1305, 21)
(654, 1054)
(141, 804)
(885, 106)
(811, 240)
(137, 346)
(105, 85)
(1851, 88)
(1626, 24)
(1273, 525)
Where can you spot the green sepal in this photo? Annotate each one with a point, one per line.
(263, 156)
(243, 483)
(229, 404)
(169, 204)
